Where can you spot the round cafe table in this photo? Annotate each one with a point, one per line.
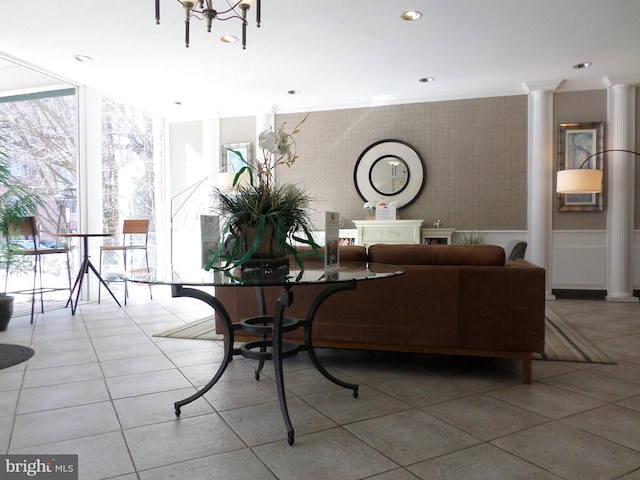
(85, 267)
(269, 327)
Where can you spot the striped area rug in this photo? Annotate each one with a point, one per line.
(564, 343)
(202, 329)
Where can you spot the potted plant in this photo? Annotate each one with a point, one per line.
(264, 218)
(16, 202)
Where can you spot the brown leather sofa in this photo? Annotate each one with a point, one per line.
(453, 299)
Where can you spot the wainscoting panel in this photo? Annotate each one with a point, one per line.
(579, 260)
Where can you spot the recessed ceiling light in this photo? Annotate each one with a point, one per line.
(82, 58)
(426, 79)
(582, 65)
(411, 15)
(228, 39)
(293, 92)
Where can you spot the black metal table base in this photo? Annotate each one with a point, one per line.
(274, 349)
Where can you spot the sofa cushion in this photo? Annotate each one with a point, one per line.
(467, 255)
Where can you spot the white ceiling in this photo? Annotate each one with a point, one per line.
(337, 53)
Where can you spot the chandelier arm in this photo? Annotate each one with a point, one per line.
(229, 18)
(233, 7)
(605, 151)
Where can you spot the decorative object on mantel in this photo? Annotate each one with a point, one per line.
(194, 8)
(390, 170)
(262, 217)
(386, 211)
(371, 211)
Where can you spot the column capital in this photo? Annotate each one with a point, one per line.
(611, 81)
(541, 86)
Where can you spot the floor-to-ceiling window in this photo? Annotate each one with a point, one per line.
(132, 166)
(40, 140)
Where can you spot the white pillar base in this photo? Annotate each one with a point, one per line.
(622, 298)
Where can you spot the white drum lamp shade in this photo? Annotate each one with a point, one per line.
(579, 181)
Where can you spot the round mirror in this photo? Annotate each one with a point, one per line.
(391, 170)
(389, 175)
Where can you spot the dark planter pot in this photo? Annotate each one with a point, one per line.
(6, 311)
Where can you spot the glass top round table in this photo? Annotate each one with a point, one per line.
(346, 272)
(268, 327)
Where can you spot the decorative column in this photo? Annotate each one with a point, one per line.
(540, 177)
(620, 168)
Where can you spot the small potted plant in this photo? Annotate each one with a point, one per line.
(16, 202)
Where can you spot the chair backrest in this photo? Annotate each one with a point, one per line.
(135, 232)
(516, 249)
(27, 228)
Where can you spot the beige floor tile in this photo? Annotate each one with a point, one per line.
(238, 465)
(113, 458)
(330, 454)
(633, 402)
(8, 402)
(546, 400)
(152, 363)
(200, 375)
(40, 428)
(397, 474)
(203, 356)
(570, 453)
(485, 417)
(180, 440)
(480, 462)
(11, 380)
(157, 408)
(143, 383)
(310, 380)
(51, 397)
(241, 393)
(71, 357)
(64, 374)
(595, 386)
(411, 436)
(342, 407)
(6, 426)
(261, 424)
(626, 370)
(618, 424)
(119, 352)
(421, 390)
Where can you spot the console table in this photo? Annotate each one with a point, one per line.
(190, 284)
(437, 236)
(388, 231)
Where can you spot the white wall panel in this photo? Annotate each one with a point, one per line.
(579, 260)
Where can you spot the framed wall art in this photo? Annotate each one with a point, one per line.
(230, 161)
(576, 141)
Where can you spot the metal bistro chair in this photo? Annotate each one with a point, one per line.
(28, 243)
(135, 235)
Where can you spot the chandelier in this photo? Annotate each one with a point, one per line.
(204, 9)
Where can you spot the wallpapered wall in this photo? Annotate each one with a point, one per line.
(475, 152)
